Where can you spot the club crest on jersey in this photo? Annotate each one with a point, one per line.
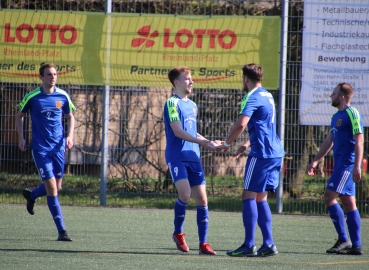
(194, 111)
(339, 122)
(58, 104)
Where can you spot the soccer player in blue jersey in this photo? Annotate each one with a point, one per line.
(263, 163)
(47, 104)
(347, 140)
(182, 155)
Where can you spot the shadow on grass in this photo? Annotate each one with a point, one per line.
(96, 252)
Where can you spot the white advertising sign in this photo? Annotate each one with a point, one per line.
(335, 50)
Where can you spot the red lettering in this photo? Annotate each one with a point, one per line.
(213, 34)
(40, 34)
(167, 43)
(7, 37)
(73, 37)
(226, 39)
(199, 33)
(25, 33)
(221, 37)
(20, 29)
(184, 32)
(53, 28)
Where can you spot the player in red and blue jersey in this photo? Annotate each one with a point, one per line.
(263, 163)
(182, 155)
(347, 140)
(46, 105)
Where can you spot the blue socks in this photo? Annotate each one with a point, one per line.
(249, 217)
(338, 220)
(354, 224)
(202, 223)
(56, 213)
(38, 192)
(202, 219)
(252, 213)
(179, 216)
(265, 222)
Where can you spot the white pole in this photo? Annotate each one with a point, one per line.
(282, 98)
(106, 109)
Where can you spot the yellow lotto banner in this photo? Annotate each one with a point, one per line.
(29, 38)
(132, 50)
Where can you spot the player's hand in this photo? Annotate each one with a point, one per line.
(221, 147)
(22, 145)
(356, 175)
(69, 142)
(312, 165)
(240, 150)
(216, 143)
(207, 145)
(213, 144)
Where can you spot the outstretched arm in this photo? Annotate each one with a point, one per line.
(235, 132)
(179, 132)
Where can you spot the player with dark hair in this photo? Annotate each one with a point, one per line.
(347, 139)
(182, 155)
(263, 163)
(47, 104)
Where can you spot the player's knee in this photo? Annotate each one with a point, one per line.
(328, 201)
(201, 203)
(348, 205)
(201, 200)
(185, 197)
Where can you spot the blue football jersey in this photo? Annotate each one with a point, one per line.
(258, 104)
(46, 112)
(176, 109)
(344, 125)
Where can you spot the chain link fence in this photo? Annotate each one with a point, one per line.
(137, 172)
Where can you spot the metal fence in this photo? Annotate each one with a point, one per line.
(137, 173)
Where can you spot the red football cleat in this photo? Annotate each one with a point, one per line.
(206, 249)
(180, 242)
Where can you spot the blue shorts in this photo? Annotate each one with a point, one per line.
(262, 174)
(187, 170)
(341, 180)
(49, 164)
